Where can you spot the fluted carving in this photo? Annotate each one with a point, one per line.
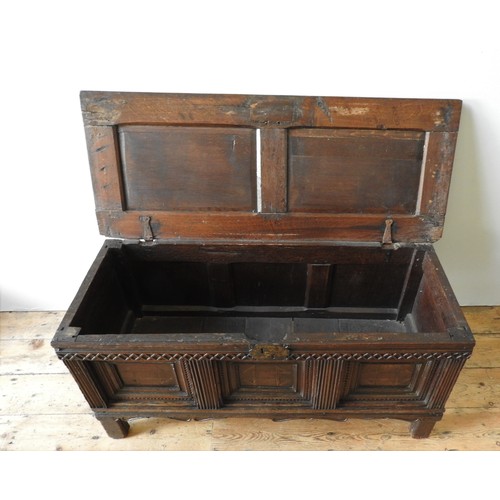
(444, 379)
(204, 382)
(327, 379)
(87, 382)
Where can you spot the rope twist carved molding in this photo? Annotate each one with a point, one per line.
(172, 357)
(376, 356)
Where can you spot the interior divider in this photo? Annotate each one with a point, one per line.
(318, 285)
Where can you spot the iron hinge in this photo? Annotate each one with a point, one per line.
(147, 231)
(387, 242)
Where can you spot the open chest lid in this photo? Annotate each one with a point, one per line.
(272, 169)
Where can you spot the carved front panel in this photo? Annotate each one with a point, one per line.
(275, 375)
(160, 375)
(308, 381)
(153, 382)
(281, 381)
(379, 383)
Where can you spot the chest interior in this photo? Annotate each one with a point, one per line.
(268, 294)
(267, 256)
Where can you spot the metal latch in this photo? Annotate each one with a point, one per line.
(387, 236)
(147, 230)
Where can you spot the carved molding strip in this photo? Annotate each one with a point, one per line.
(98, 356)
(376, 356)
(172, 357)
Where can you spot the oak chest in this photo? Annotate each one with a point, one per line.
(267, 256)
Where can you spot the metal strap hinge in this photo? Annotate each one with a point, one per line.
(387, 241)
(147, 230)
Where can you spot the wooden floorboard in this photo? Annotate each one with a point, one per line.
(41, 407)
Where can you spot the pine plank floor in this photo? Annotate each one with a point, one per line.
(41, 407)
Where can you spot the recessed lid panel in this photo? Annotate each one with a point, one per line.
(170, 168)
(354, 171)
(270, 168)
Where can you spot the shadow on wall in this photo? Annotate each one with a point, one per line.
(466, 249)
(12, 300)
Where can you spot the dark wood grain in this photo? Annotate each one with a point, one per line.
(354, 171)
(116, 428)
(326, 299)
(178, 158)
(305, 252)
(437, 172)
(412, 284)
(318, 291)
(58, 418)
(111, 108)
(344, 362)
(188, 168)
(275, 228)
(102, 144)
(274, 170)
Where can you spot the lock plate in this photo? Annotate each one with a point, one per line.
(269, 351)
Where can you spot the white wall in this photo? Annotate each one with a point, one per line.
(51, 50)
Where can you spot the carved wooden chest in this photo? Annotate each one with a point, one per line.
(268, 256)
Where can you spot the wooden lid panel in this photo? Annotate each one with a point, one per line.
(259, 111)
(354, 171)
(180, 167)
(188, 168)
